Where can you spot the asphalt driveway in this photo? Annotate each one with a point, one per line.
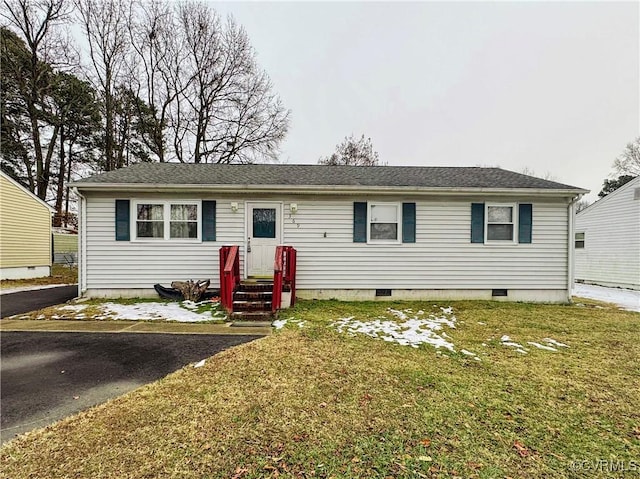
(25, 301)
(47, 376)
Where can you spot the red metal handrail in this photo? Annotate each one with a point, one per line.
(229, 275)
(284, 273)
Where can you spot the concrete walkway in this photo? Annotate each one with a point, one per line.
(70, 326)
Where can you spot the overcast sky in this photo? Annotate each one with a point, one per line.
(552, 87)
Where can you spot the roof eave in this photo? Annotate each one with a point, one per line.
(324, 189)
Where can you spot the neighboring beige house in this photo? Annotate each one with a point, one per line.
(607, 238)
(25, 232)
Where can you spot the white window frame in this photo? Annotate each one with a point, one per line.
(398, 207)
(514, 222)
(583, 240)
(166, 218)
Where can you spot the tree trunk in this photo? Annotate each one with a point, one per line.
(57, 219)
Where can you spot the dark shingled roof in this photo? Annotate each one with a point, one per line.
(321, 175)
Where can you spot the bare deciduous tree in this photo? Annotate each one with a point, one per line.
(227, 112)
(160, 53)
(353, 152)
(628, 163)
(37, 24)
(106, 28)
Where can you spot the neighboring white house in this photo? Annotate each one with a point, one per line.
(25, 232)
(360, 232)
(607, 239)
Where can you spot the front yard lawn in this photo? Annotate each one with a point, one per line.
(422, 389)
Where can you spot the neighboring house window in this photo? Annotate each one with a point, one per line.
(384, 222)
(169, 220)
(501, 222)
(580, 240)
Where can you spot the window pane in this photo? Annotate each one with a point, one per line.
(500, 214)
(580, 244)
(150, 212)
(150, 229)
(184, 212)
(183, 229)
(384, 214)
(384, 231)
(264, 223)
(579, 236)
(500, 232)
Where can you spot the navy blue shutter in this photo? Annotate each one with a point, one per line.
(360, 222)
(122, 220)
(408, 222)
(477, 222)
(525, 222)
(208, 220)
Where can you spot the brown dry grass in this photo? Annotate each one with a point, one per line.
(311, 403)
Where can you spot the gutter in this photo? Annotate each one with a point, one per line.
(82, 243)
(571, 219)
(326, 189)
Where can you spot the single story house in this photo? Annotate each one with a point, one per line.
(25, 232)
(360, 232)
(607, 239)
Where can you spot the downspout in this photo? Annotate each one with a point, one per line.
(571, 217)
(82, 244)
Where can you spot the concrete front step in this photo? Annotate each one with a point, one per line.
(252, 316)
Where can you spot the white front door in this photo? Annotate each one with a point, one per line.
(263, 235)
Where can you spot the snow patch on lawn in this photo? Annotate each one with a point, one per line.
(625, 298)
(554, 342)
(406, 329)
(280, 323)
(541, 346)
(73, 307)
(506, 341)
(157, 311)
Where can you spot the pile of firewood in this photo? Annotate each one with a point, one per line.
(191, 290)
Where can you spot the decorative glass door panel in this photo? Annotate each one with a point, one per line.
(264, 227)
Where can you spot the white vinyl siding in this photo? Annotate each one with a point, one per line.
(322, 231)
(611, 253)
(115, 264)
(441, 258)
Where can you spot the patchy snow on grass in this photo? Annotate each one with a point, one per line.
(199, 364)
(506, 341)
(542, 346)
(625, 298)
(406, 329)
(157, 311)
(554, 342)
(73, 307)
(280, 323)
